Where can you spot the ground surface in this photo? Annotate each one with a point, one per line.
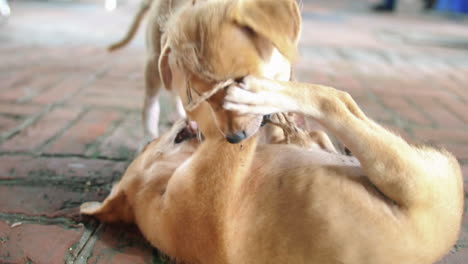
(70, 122)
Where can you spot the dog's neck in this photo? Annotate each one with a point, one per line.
(217, 162)
(216, 168)
(225, 159)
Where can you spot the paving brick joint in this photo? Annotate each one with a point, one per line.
(70, 119)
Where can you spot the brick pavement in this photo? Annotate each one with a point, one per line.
(70, 121)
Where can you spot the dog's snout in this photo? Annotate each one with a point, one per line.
(265, 120)
(237, 137)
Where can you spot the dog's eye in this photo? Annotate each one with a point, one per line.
(248, 30)
(239, 79)
(183, 135)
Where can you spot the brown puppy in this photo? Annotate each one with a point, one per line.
(257, 22)
(244, 203)
(219, 40)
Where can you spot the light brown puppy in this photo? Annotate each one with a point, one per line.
(244, 203)
(258, 22)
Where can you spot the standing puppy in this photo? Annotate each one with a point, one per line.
(262, 26)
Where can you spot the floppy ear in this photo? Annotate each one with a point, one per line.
(164, 68)
(115, 208)
(277, 20)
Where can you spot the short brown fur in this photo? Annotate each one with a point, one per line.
(215, 202)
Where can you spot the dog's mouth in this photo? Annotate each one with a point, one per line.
(189, 131)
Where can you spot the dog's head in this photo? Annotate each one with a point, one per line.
(213, 41)
(147, 176)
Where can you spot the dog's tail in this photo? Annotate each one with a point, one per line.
(144, 6)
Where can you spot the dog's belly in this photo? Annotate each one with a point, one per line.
(288, 157)
(313, 207)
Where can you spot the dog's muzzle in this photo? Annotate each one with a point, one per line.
(237, 137)
(266, 119)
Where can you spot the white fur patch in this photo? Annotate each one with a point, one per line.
(277, 68)
(152, 117)
(179, 106)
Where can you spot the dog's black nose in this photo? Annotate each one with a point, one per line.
(265, 120)
(237, 137)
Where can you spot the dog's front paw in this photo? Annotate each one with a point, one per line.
(255, 96)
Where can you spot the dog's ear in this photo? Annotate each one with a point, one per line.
(277, 20)
(115, 208)
(164, 68)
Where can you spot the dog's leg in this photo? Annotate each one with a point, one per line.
(179, 107)
(151, 115)
(322, 141)
(151, 107)
(408, 175)
(179, 111)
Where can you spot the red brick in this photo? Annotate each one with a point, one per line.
(316, 77)
(47, 201)
(454, 87)
(85, 132)
(44, 129)
(458, 257)
(441, 135)
(459, 150)
(13, 115)
(437, 111)
(15, 79)
(131, 65)
(464, 169)
(386, 86)
(121, 244)
(120, 99)
(19, 109)
(373, 109)
(133, 75)
(460, 109)
(65, 89)
(36, 86)
(125, 140)
(17, 167)
(404, 109)
(410, 92)
(349, 84)
(117, 86)
(33, 243)
(8, 123)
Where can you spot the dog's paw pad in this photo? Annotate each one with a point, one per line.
(90, 208)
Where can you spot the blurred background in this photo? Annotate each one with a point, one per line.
(70, 117)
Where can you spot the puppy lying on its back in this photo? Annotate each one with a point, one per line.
(216, 202)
